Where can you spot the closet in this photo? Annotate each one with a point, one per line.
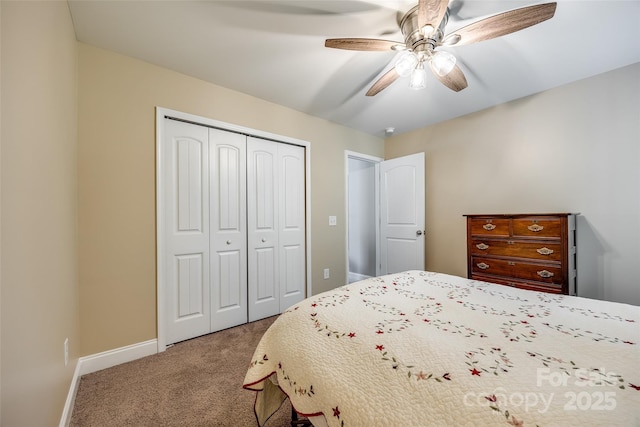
(233, 233)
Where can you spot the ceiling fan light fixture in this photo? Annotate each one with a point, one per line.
(418, 77)
(442, 63)
(406, 63)
(427, 30)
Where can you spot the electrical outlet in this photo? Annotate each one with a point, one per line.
(66, 351)
(333, 220)
(326, 273)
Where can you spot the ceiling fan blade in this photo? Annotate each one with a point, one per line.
(383, 82)
(363, 44)
(501, 24)
(431, 12)
(455, 80)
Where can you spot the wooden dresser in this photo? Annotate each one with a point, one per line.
(529, 251)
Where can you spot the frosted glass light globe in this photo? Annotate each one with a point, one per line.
(442, 63)
(406, 63)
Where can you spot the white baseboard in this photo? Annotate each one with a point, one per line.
(109, 358)
(104, 360)
(71, 398)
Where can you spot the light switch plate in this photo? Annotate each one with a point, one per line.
(332, 220)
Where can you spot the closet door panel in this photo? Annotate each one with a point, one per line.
(265, 278)
(292, 279)
(186, 205)
(291, 220)
(190, 285)
(262, 208)
(228, 241)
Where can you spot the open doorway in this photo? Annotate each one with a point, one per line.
(385, 204)
(362, 215)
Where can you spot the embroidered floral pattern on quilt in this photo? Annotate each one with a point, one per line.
(455, 348)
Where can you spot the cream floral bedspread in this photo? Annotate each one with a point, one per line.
(428, 349)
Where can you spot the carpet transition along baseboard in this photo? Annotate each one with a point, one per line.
(193, 383)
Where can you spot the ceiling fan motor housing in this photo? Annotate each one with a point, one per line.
(414, 38)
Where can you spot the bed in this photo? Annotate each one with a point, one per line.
(428, 349)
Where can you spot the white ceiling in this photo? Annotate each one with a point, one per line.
(274, 50)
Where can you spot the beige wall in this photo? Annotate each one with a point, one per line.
(39, 199)
(571, 149)
(117, 98)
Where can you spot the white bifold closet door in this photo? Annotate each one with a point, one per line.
(291, 225)
(276, 221)
(234, 229)
(228, 200)
(186, 232)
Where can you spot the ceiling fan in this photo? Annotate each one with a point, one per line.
(423, 30)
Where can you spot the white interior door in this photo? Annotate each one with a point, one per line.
(186, 229)
(402, 220)
(291, 224)
(262, 207)
(228, 229)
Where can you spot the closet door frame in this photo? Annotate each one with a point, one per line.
(161, 281)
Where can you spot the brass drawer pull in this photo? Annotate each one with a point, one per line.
(511, 263)
(544, 251)
(535, 228)
(482, 266)
(489, 227)
(545, 274)
(482, 246)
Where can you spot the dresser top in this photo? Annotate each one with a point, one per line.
(521, 214)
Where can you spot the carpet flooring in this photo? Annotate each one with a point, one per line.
(193, 383)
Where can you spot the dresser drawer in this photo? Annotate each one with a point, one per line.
(490, 227)
(521, 284)
(519, 249)
(516, 269)
(537, 227)
(495, 267)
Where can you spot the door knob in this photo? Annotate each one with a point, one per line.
(419, 232)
